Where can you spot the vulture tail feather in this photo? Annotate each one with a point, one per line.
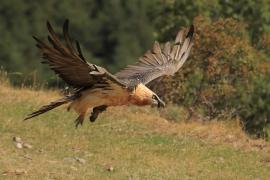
(49, 107)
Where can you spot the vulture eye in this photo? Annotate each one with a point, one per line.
(154, 97)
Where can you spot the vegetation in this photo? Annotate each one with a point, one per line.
(119, 145)
(112, 33)
(226, 77)
(109, 32)
(220, 73)
(254, 107)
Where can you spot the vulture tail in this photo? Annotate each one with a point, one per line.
(50, 106)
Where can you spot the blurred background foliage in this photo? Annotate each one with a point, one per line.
(223, 78)
(227, 73)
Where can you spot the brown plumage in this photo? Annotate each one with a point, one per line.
(96, 88)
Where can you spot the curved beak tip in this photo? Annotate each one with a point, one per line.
(161, 104)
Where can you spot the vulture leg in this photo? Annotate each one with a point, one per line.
(79, 120)
(96, 111)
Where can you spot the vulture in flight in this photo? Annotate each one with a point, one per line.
(95, 88)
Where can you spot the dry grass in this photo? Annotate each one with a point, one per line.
(215, 132)
(3, 78)
(136, 142)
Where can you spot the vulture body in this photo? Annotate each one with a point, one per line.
(95, 88)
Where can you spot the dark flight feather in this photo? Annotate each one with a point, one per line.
(69, 63)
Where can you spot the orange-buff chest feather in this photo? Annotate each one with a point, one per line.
(140, 96)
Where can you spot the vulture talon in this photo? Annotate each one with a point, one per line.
(79, 121)
(96, 111)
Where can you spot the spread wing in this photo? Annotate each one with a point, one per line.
(69, 63)
(161, 60)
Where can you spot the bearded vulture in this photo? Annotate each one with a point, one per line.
(95, 88)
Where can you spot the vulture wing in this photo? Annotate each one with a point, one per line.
(160, 61)
(69, 63)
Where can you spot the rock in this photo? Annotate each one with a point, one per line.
(14, 172)
(18, 145)
(17, 139)
(20, 171)
(27, 146)
(110, 168)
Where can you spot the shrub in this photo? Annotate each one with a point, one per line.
(221, 67)
(254, 106)
(264, 43)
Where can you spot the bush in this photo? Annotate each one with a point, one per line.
(221, 67)
(264, 44)
(254, 106)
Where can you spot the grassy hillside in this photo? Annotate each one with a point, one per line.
(124, 143)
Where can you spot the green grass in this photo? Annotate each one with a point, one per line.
(135, 142)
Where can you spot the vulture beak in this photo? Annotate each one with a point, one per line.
(161, 103)
(158, 102)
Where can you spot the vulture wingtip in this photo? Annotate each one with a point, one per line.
(34, 37)
(190, 32)
(48, 23)
(66, 23)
